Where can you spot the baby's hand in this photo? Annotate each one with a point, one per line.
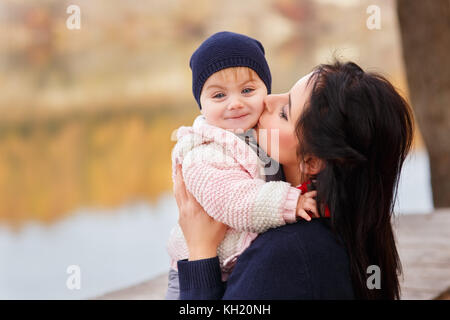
(306, 202)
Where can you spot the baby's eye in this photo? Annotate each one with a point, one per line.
(248, 90)
(218, 96)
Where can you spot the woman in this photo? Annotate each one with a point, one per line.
(351, 132)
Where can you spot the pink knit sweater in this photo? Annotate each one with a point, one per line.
(226, 177)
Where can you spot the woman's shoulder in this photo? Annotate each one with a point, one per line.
(306, 259)
(302, 229)
(292, 242)
(309, 239)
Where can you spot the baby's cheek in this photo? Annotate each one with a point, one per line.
(258, 105)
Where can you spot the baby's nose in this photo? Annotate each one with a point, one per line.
(235, 104)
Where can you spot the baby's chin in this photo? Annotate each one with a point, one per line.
(240, 125)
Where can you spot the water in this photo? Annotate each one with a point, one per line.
(126, 246)
(414, 191)
(113, 250)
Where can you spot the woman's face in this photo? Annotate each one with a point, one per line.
(280, 113)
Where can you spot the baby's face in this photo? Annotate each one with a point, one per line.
(233, 98)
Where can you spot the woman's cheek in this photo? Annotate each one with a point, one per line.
(287, 144)
(276, 144)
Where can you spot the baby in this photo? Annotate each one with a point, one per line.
(222, 165)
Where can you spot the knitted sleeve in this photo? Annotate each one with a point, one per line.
(229, 194)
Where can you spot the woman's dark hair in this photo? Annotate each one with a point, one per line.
(362, 129)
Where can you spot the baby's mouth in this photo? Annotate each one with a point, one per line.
(238, 117)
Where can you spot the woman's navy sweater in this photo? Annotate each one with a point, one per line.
(303, 260)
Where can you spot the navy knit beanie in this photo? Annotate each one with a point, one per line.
(224, 50)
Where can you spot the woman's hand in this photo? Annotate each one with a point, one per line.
(203, 234)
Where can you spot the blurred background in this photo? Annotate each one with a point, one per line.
(86, 118)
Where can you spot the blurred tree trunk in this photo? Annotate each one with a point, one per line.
(425, 33)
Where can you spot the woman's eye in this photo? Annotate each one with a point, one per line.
(218, 96)
(247, 90)
(283, 114)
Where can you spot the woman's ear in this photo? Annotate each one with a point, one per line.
(312, 165)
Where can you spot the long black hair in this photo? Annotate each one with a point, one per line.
(362, 129)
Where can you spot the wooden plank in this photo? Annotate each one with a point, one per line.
(423, 243)
(154, 289)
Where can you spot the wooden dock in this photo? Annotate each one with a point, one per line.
(424, 248)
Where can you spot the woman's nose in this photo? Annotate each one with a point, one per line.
(269, 102)
(273, 101)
